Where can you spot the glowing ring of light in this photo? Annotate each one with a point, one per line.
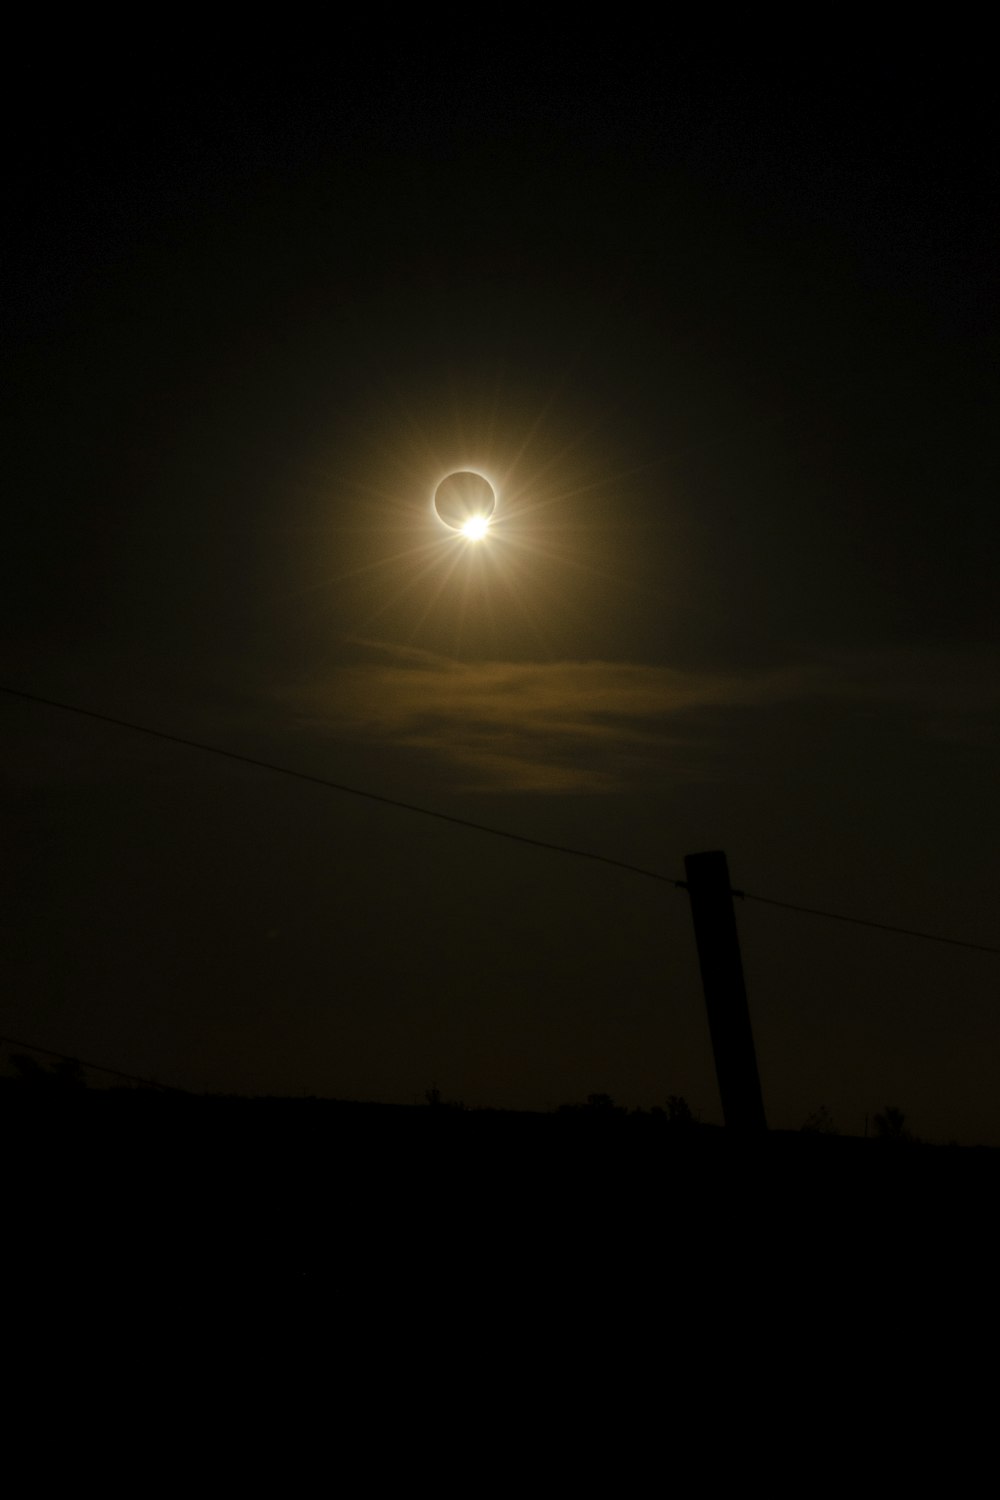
(464, 501)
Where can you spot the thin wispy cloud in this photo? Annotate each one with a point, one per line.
(526, 726)
(597, 726)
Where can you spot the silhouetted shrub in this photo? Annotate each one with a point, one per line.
(890, 1125)
(69, 1074)
(820, 1122)
(29, 1070)
(436, 1100)
(679, 1112)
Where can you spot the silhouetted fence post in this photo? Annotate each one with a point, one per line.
(725, 992)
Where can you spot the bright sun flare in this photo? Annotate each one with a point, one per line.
(476, 528)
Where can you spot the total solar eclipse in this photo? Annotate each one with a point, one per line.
(464, 502)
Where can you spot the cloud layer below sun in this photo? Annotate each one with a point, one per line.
(600, 726)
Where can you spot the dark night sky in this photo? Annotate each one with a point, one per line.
(724, 336)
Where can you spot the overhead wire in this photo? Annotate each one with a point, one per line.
(337, 786)
(472, 824)
(146, 1083)
(835, 916)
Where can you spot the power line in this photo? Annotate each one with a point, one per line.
(503, 833)
(834, 916)
(149, 1083)
(337, 786)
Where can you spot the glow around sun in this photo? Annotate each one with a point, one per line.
(463, 532)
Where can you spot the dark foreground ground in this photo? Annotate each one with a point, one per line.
(158, 1190)
(427, 1284)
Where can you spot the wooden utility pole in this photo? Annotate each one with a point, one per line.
(725, 992)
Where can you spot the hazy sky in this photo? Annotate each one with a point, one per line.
(723, 337)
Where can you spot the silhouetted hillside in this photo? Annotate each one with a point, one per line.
(142, 1185)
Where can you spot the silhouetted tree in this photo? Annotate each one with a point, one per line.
(603, 1104)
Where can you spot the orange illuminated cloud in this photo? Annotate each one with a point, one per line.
(605, 726)
(524, 726)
